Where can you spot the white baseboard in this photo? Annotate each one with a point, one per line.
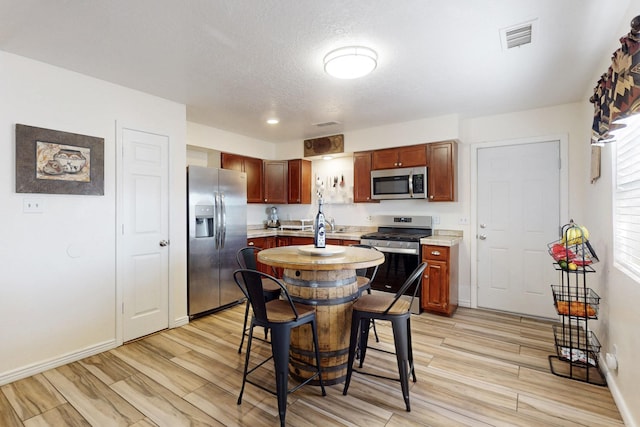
(181, 321)
(36, 368)
(464, 303)
(627, 417)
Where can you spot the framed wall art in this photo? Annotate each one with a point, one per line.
(333, 144)
(55, 162)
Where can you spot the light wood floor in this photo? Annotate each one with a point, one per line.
(477, 368)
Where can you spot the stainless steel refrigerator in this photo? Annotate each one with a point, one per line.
(217, 221)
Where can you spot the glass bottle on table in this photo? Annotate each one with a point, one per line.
(319, 236)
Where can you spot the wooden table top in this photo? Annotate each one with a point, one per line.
(293, 257)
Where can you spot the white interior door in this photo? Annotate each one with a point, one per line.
(518, 215)
(144, 257)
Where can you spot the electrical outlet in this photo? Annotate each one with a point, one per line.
(33, 205)
(436, 220)
(463, 220)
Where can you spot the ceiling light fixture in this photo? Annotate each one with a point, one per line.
(350, 62)
(273, 121)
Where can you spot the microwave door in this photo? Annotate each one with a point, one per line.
(391, 186)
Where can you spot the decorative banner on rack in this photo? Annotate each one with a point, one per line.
(325, 145)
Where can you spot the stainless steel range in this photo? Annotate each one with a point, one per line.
(399, 238)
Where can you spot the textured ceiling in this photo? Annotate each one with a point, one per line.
(235, 63)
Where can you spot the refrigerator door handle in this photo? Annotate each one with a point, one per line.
(223, 223)
(216, 218)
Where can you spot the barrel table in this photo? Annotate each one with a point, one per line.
(326, 279)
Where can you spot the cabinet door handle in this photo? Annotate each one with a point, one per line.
(251, 243)
(436, 253)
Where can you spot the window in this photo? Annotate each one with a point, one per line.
(626, 199)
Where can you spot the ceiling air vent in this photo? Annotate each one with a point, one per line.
(321, 125)
(516, 36)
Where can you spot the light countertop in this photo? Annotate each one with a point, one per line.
(345, 233)
(439, 238)
(443, 238)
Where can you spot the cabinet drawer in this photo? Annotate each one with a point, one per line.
(435, 253)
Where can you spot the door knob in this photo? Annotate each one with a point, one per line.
(163, 243)
(482, 237)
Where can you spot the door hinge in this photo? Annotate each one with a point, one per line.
(123, 307)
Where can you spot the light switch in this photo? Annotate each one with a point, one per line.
(33, 205)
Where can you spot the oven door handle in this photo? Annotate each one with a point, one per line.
(398, 250)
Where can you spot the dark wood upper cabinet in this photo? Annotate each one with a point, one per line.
(362, 177)
(275, 181)
(253, 168)
(443, 165)
(400, 157)
(299, 181)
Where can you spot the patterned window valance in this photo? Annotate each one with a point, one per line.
(617, 94)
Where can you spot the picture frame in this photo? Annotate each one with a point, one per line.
(56, 162)
(325, 145)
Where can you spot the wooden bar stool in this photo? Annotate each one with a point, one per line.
(246, 258)
(385, 307)
(280, 316)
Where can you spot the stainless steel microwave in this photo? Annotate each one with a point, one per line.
(401, 183)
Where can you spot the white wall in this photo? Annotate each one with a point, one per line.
(57, 298)
(216, 139)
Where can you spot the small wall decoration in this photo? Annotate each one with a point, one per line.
(55, 162)
(325, 145)
(596, 153)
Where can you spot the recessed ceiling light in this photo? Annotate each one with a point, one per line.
(350, 62)
(273, 121)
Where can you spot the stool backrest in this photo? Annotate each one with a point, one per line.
(413, 278)
(250, 282)
(246, 257)
(362, 272)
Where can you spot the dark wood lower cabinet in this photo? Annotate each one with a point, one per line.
(440, 280)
